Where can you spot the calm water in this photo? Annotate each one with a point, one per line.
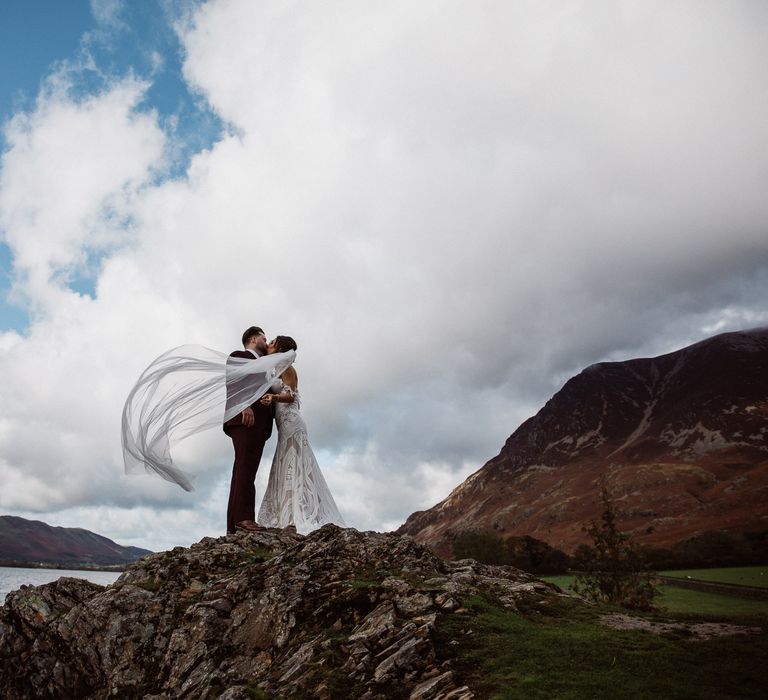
(13, 578)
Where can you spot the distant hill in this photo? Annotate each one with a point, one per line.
(34, 542)
(681, 441)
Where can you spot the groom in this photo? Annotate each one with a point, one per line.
(249, 431)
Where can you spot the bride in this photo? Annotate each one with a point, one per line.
(296, 494)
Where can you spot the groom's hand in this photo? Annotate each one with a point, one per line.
(248, 418)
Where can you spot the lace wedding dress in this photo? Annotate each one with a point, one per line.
(296, 492)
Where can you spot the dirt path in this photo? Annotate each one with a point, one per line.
(698, 631)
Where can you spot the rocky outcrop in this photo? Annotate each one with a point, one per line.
(336, 614)
(681, 441)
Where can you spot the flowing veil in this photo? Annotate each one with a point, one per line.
(184, 391)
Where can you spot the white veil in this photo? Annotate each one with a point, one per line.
(184, 391)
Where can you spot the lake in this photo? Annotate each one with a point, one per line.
(12, 578)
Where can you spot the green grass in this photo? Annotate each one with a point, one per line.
(256, 693)
(258, 555)
(564, 581)
(683, 600)
(565, 653)
(742, 575)
(365, 583)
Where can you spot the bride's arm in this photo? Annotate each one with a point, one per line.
(291, 380)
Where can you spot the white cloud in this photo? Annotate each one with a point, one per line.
(107, 13)
(451, 206)
(68, 176)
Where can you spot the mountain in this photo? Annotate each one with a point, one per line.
(272, 614)
(680, 440)
(34, 542)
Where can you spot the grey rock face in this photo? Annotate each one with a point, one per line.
(336, 614)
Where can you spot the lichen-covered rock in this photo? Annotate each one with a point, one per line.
(336, 614)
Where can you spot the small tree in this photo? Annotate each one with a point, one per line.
(612, 569)
(536, 556)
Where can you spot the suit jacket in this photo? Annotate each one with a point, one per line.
(262, 414)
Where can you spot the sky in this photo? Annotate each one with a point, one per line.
(452, 206)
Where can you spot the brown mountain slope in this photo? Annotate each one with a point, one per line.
(681, 439)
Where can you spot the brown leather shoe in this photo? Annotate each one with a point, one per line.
(249, 526)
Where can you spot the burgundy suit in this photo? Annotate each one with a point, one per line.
(249, 445)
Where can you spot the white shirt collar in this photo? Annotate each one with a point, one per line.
(253, 352)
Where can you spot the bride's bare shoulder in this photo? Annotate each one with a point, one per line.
(290, 377)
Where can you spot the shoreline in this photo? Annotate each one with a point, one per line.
(58, 566)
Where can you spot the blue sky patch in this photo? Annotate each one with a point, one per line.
(38, 38)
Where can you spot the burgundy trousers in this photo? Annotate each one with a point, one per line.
(249, 446)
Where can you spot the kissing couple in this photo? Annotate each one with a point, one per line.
(191, 388)
(297, 495)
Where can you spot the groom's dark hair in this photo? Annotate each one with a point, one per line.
(285, 343)
(250, 333)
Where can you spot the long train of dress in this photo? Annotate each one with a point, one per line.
(297, 493)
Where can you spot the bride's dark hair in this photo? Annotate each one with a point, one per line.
(285, 343)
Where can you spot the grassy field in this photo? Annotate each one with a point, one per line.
(561, 651)
(563, 581)
(742, 575)
(681, 600)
